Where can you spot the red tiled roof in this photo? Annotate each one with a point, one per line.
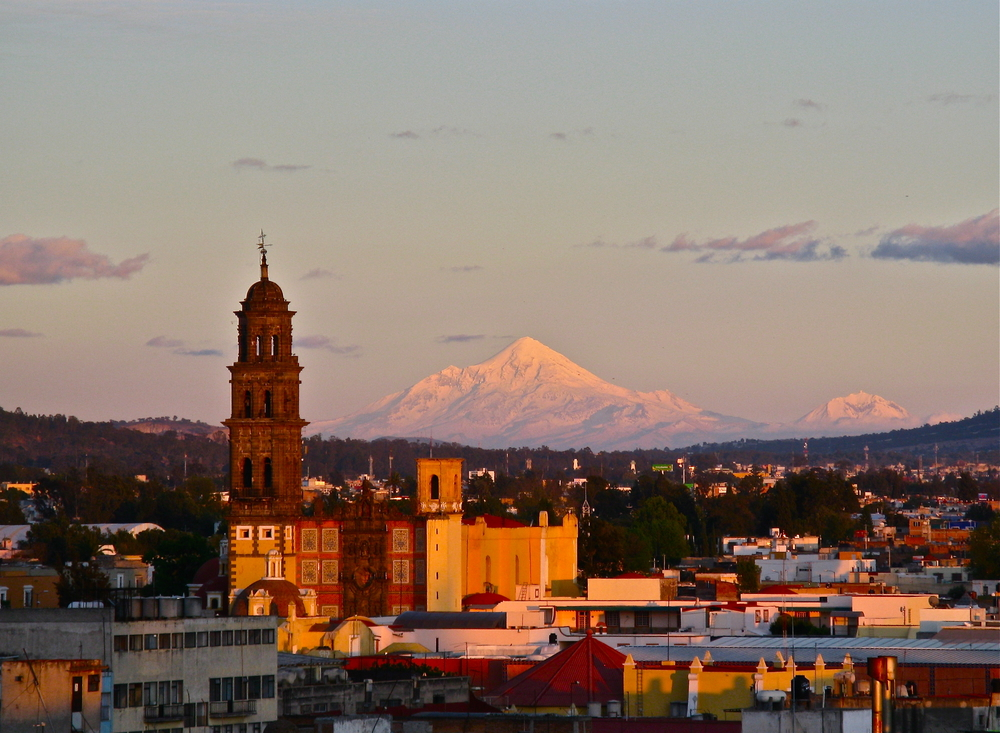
(587, 671)
(483, 599)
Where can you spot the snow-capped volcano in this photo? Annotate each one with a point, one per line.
(857, 413)
(529, 394)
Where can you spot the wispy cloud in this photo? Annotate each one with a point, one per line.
(262, 165)
(460, 338)
(18, 333)
(319, 273)
(27, 260)
(162, 342)
(792, 122)
(463, 268)
(177, 346)
(442, 131)
(792, 242)
(975, 241)
(644, 243)
(948, 98)
(565, 136)
(809, 104)
(322, 342)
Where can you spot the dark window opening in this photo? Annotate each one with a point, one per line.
(435, 488)
(247, 404)
(247, 473)
(274, 345)
(267, 403)
(268, 474)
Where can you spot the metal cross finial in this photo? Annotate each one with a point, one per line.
(260, 246)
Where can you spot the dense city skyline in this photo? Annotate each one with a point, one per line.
(759, 207)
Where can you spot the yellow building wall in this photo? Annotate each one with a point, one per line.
(502, 558)
(649, 691)
(446, 563)
(248, 554)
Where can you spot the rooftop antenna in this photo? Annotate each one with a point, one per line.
(263, 255)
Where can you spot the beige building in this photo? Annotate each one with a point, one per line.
(59, 694)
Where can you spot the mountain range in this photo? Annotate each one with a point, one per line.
(531, 395)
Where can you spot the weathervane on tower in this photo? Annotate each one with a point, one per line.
(263, 254)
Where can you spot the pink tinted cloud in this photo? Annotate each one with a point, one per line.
(975, 241)
(793, 242)
(19, 333)
(28, 260)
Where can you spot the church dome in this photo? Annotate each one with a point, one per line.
(282, 594)
(265, 294)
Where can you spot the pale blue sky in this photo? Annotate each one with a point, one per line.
(493, 170)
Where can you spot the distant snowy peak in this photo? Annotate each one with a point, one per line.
(529, 394)
(859, 409)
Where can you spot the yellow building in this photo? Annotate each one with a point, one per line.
(488, 554)
(679, 689)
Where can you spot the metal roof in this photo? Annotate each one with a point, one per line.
(749, 649)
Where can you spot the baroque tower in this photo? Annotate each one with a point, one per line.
(265, 436)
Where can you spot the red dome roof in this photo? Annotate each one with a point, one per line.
(207, 572)
(265, 295)
(283, 595)
(483, 599)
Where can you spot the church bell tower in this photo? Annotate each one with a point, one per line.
(265, 433)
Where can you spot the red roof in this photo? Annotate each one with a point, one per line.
(495, 522)
(207, 572)
(587, 671)
(483, 599)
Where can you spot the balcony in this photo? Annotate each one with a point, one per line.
(232, 708)
(160, 713)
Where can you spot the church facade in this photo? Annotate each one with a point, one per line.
(365, 557)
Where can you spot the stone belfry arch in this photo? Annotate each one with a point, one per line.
(265, 432)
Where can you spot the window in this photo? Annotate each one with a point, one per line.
(310, 571)
(267, 403)
(29, 596)
(309, 540)
(215, 638)
(190, 639)
(435, 488)
(178, 641)
(267, 636)
(150, 642)
(135, 643)
(164, 641)
(420, 570)
(4, 603)
(120, 696)
(134, 694)
(202, 638)
(331, 539)
(120, 580)
(275, 343)
(400, 572)
(247, 404)
(247, 473)
(330, 572)
(767, 613)
(253, 637)
(267, 686)
(215, 689)
(268, 474)
(266, 533)
(613, 618)
(227, 638)
(120, 644)
(642, 619)
(149, 694)
(400, 540)
(243, 533)
(289, 539)
(241, 637)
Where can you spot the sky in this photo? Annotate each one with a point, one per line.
(758, 206)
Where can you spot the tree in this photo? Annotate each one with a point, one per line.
(601, 548)
(82, 581)
(661, 527)
(984, 551)
(176, 557)
(748, 575)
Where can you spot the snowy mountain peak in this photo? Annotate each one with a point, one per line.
(860, 409)
(529, 394)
